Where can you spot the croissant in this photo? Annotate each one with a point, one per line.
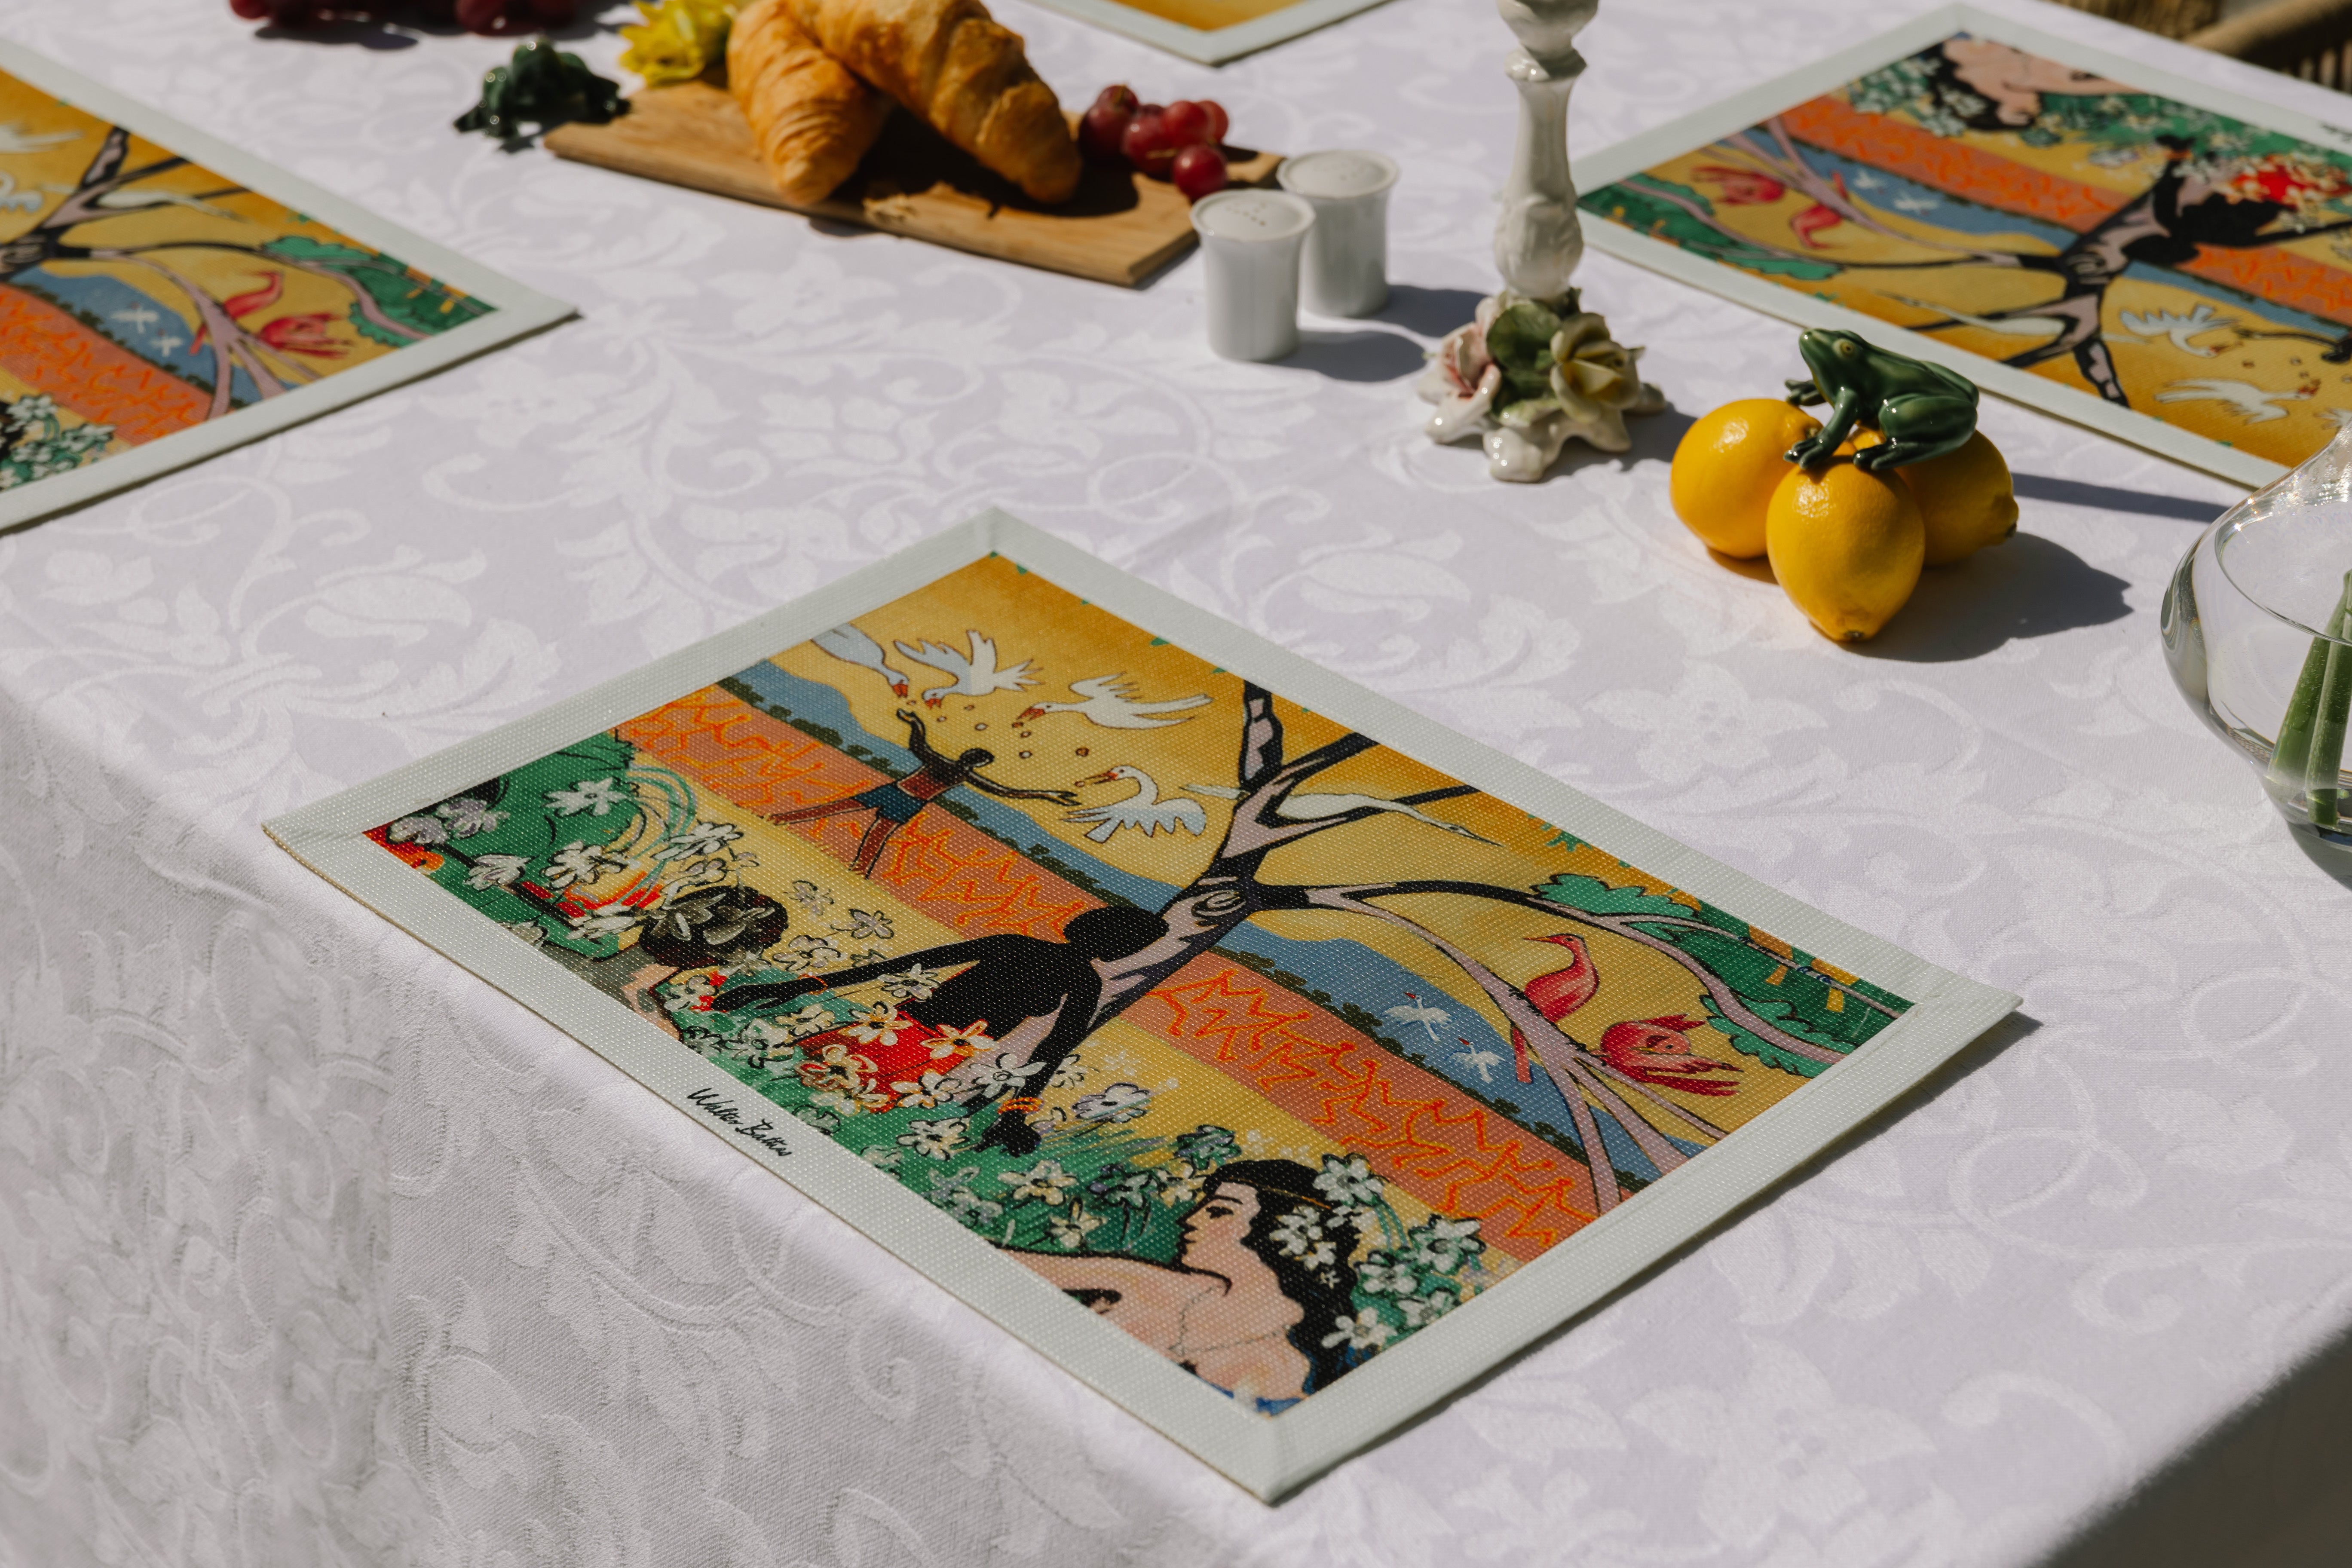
(952, 63)
(812, 120)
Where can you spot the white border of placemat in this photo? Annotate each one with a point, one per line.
(1212, 47)
(1759, 104)
(1271, 1456)
(518, 312)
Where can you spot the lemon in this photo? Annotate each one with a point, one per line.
(1965, 498)
(1847, 547)
(1728, 465)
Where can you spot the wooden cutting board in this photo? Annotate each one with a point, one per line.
(1120, 228)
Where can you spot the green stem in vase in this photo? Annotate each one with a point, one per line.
(2323, 766)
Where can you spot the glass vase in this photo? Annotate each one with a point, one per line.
(2257, 628)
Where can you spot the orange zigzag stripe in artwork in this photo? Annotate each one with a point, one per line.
(944, 866)
(1885, 141)
(102, 382)
(1435, 1141)
(1421, 1131)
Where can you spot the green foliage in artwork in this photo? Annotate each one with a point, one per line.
(509, 847)
(36, 443)
(405, 297)
(1924, 88)
(1782, 990)
(1637, 204)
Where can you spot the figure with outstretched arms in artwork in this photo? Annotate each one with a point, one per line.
(899, 801)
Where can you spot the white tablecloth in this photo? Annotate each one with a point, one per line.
(380, 1269)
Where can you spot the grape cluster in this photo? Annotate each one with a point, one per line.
(496, 17)
(1180, 142)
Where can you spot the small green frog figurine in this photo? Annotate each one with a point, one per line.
(1921, 409)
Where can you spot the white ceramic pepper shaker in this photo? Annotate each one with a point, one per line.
(1250, 241)
(1346, 271)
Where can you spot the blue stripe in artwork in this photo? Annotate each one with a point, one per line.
(1346, 971)
(136, 320)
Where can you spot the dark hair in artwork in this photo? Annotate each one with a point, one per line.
(1956, 98)
(713, 925)
(1114, 932)
(1326, 1293)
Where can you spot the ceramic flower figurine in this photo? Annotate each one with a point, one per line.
(1527, 376)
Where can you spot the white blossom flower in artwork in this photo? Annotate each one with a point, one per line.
(1045, 1182)
(883, 1158)
(936, 1139)
(1299, 1235)
(812, 952)
(1445, 1245)
(930, 1089)
(869, 955)
(595, 797)
(576, 863)
(1382, 1275)
(1003, 1075)
(968, 1207)
(496, 871)
(1069, 1231)
(879, 1026)
(1364, 1331)
(815, 900)
(1119, 1102)
(813, 1019)
(695, 874)
(467, 817)
(611, 919)
(911, 984)
(418, 830)
(702, 839)
(1420, 1311)
(839, 1101)
(1069, 1074)
(970, 1038)
(1179, 1184)
(1348, 1182)
(868, 925)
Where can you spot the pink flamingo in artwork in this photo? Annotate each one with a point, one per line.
(1658, 1051)
(1557, 993)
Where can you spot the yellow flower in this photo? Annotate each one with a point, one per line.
(678, 40)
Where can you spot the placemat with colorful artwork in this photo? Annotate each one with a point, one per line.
(2147, 256)
(163, 296)
(1265, 1054)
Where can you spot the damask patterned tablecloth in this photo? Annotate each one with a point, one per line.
(313, 1249)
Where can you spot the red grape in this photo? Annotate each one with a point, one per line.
(253, 10)
(481, 16)
(1104, 123)
(1145, 142)
(551, 13)
(1187, 124)
(1219, 122)
(1198, 170)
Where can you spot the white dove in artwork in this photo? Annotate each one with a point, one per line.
(14, 138)
(1315, 808)
(1109, 701)
(2149, 325)
(1143, 810)
(2254, 404)
(2007, 326)
(1414, 1010)
(127, 201)
(1916, 201)
(975, 676)
(1483, 1063)
(850, 645)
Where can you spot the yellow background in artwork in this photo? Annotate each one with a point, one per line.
(1031, 619)
(1208, 16)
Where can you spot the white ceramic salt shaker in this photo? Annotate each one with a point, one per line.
(1250, 241)
(1346, 265)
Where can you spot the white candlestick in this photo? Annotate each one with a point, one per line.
(1538, 240)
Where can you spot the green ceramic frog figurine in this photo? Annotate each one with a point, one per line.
(1921, 409)
(544, 85)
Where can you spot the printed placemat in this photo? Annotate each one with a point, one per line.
(164, 297)
(1271, 1057)
(1211, 31)
(2157, 259)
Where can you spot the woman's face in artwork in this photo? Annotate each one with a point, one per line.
(2013, 81)
(1214, 1232)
